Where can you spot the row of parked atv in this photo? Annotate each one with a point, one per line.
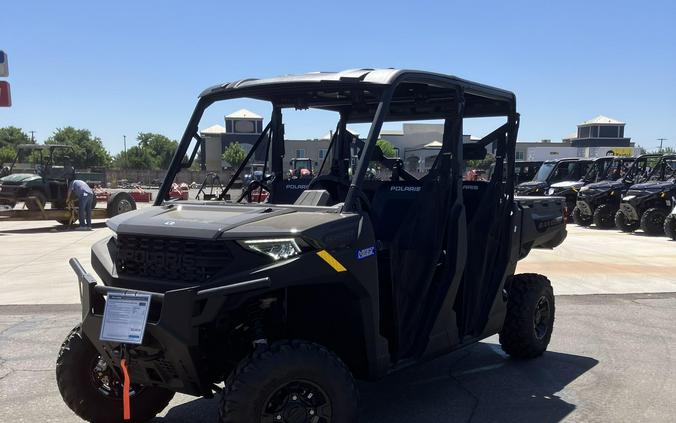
(613, 192)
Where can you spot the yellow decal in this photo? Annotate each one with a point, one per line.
(331, 261)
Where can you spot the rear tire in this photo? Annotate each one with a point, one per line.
(581, 219)
(624, 224)
(120, 202)
(75, 377)
(670, 226)
(290, 379)
(652, 221)
(530, 316)
(604, 217)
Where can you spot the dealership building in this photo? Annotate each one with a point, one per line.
(417, 144)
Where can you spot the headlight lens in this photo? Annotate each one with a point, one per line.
(629, 197)
(584, 188)
(278, 249)
(551, 191)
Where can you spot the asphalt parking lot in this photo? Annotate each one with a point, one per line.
(612, 356)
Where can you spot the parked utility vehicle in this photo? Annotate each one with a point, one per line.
(647, 205)
(670, 222)
(552, 172)
(598, 203)
(600, 169)
(286, 302)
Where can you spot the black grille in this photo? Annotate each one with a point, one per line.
(187, 260)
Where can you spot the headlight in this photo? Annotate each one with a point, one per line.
(551, 191)
(584, 188)
(278, 249)
(629, 197)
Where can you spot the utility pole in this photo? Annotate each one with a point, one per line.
(661, 140)
(124, 137)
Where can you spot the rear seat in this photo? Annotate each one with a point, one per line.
(389, 206)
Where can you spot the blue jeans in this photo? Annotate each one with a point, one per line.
(85, 215)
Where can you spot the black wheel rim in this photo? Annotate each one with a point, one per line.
(123, 206)
(300, 401)
(541, 318)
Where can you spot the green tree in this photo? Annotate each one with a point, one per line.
(481, 164)
(234, 154)
(387, 148)
(11, 136)
(88, 150)
(136, 157)
(640, 150)
(7, 155)
(160, 147)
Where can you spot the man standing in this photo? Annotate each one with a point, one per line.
(85, 197)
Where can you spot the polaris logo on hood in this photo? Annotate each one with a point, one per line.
(400, 188)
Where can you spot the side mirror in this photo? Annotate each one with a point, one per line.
(473, 151)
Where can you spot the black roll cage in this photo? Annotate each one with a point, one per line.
(296, 93)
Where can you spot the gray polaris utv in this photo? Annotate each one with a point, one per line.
(286, 301)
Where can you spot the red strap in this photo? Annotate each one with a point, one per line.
(125, 391)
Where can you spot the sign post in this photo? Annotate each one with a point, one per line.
(5, 96)
(4, 67)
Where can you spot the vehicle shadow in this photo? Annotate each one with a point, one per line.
(478, 384)
(45, 229)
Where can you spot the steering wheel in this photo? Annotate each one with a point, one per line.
(333, 187)
(253, 185)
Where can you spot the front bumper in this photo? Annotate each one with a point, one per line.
(630, 211)
(169, 356)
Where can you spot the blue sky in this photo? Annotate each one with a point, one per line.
(131, 66)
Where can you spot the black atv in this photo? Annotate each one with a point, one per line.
(567, 171)
(598, 202)
(285, 303)
(600, 169)
(646, 205)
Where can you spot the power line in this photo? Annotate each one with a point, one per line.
(661, 140)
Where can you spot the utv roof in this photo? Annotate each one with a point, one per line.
(419, 94)
(569, 159)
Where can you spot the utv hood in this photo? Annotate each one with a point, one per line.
(211, 221)
(19, 178)
(567, 185)
(653, 186)
(530, 186)
(606, 185)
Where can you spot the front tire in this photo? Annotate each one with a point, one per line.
(652, 221)
(530, 316)
(97, 398)
(604, 217)
(670, 226)
(581, 219)
(624, 224)
(290, 380)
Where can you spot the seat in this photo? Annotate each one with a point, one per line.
(390, 204)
